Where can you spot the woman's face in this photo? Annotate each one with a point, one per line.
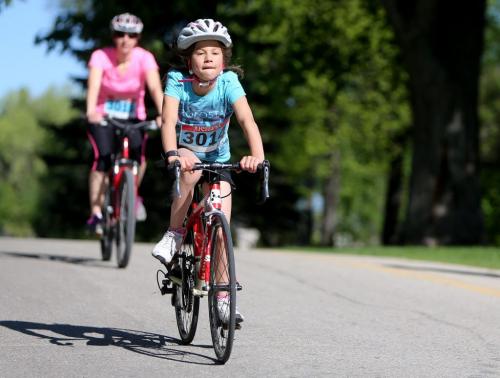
(125, 42)
(207, 60)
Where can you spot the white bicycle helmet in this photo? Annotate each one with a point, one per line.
(203, 30)
(126, 23)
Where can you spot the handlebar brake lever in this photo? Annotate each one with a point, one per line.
(152, 126)
(264, 189)
(176, 167)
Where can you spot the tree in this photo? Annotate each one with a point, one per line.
(4, 3)
(323, 79)
(81, 27)
(441, 44)
(23, 141)
(319, 76)
(490, 125)
(329, 94)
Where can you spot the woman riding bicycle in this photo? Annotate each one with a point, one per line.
(117, 79)
(198, 104)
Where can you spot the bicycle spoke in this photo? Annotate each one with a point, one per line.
(107, 234)
(126, 220)
(222, 293)
(185, 302)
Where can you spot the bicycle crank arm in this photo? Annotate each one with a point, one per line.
(199, 292)
(176, 280)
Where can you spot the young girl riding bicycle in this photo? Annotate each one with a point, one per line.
(197, 106)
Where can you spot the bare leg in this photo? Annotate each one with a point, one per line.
(222, 273)
(225, 189)
(180, 205)
(140, 173)
(97, 186)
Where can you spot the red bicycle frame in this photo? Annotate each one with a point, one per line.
(202, 233)
(201, 217)
(120, 165)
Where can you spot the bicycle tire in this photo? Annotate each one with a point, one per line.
(125, 224)
(187, 305)
(222, 267)
(107, 229)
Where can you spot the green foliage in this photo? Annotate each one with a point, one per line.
(326, 79)
(491, 204)
(4, 3)
(81, 27)
(485, 257)
(489, 112)
(322, 78)
(22, 142)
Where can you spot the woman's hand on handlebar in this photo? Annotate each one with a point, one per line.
(94, 117)
(158, 121)
(250, 163)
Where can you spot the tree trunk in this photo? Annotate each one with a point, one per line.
(442, 43)
(390, 232)
(331, 194)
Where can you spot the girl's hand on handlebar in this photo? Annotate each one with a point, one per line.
(250, 163)
(187, 162)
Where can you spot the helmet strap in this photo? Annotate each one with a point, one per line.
(196, 79)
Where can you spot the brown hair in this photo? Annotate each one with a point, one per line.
(185, 55)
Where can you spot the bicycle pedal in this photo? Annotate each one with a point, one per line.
(225, 327)
(175, 272)
(167, 287)
(166, 290)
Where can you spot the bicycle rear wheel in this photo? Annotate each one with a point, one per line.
(187, 305)
(222, 313)
(125, 225)
(107, 229)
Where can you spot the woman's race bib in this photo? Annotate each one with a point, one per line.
(202, 138)
(120, 109)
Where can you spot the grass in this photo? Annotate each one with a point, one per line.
(485, 257)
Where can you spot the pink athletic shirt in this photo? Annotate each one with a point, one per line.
(122, 94)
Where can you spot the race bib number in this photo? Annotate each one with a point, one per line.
(202, 138)
(120, 109)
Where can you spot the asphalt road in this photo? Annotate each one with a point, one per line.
(65, 313)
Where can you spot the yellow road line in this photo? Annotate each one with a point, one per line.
(428, 277)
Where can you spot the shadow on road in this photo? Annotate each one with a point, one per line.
(444, 270)
(149, 344)
(58, 258)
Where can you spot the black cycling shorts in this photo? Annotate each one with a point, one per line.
(224, 175)
(105, 144)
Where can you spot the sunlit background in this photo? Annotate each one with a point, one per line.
(30, 66)
(327, 84)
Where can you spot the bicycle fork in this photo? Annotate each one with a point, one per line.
(203, 242)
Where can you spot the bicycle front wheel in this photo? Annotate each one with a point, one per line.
(125, 225)
(107, 229)
(222, 289)
(187, 305)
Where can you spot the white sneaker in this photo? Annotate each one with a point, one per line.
(167, 246)
(223, 308)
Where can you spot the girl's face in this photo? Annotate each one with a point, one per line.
(125, 42)
(207, 60)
